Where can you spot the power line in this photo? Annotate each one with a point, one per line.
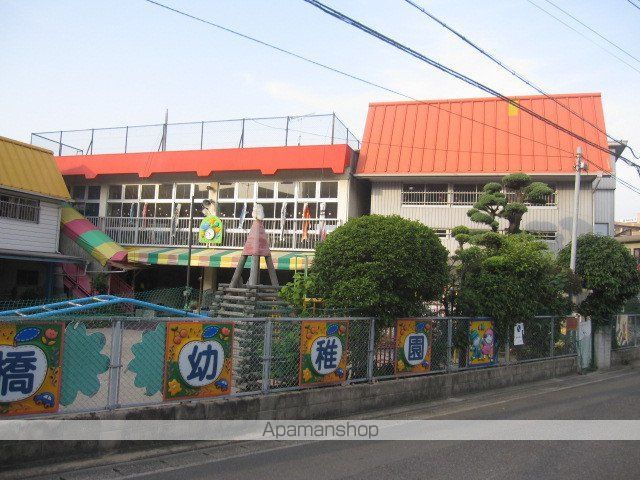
(346, 74)
(634, 4)
(380, 36)
(355, 77)
(593, 31)
(583, 35)
(513, 72)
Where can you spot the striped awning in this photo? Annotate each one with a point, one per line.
(214, 257)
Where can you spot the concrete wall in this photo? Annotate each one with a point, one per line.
(308, 404)
(30, 236)
(625, 356)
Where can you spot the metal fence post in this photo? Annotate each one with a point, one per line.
(449, 343)
(507, 349)
(126, 138)
(333, 127)
(201, 134)
(635, 329)
(371, 349)
(286, 133)
(266, 356)
(60, 145)
(115, 366)
(552, 341)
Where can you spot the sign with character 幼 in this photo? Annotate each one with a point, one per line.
(413, 346)
(323, 352)
(30, 367)
(198, 359)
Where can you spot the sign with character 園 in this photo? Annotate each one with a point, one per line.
(30, 367)
(482, 343)
(323, 352)
(210, 230)
(413, 346)
(198, 360)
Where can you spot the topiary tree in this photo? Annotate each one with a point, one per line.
(493, 203)
(510, 278)
(386, 267)
(608, 270)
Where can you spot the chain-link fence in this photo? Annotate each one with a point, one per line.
(97, 363)
(626, 331)
(320, 129)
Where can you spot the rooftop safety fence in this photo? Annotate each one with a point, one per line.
(81, 364)
(322, 129)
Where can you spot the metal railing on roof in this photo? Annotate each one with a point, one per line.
(324, 129)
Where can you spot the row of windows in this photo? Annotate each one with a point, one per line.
(541, 234)
(19, 208)
(275, 190)
(162, 191)
(444, 194)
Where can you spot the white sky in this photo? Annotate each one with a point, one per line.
(83, 64)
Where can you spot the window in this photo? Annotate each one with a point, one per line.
(601, 229)
(286, 190)
(550, 200)
(78, 192)
(328, 189)
(224, 210)
(200, 190)
(307, 190)
(266, 190)
(130, 210)
(440, 232)
(331, 210)
(115, 192)
(466, 194)
(19, 208)
(245, 190)
(148, 192)
(93, 192)
(83, 196)
(183, 190)
(636, 253)
(544, 235)
(165, 191)
(226, 190)
(131, 192)
(114, 209)
(414, 194)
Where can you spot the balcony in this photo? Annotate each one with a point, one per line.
(174, 232)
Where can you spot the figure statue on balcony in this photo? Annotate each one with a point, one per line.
(256, 246)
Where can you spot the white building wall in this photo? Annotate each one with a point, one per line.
(386, 199)
(33, 237)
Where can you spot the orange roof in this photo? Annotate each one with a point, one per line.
(481, 136)
(267, 160)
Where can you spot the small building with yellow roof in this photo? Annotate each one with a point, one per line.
(32, 193)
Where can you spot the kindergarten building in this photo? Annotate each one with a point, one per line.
(429, 161)
(139, 191)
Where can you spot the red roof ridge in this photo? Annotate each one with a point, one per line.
(487, 99)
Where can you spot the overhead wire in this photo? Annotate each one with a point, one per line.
(592, 30)
(521, 77)
(460, 76)
(582, 35)
(358, 78)
(634, 4)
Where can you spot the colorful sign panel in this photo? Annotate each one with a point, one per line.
(198, 359)
(482, 348)
(30, 368)
(413, 346)
(323, 352)
(210, 230)
(623, 332)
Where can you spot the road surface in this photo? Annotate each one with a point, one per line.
(610, 395)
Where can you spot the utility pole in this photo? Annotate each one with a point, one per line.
(163, 140)
(580, 166)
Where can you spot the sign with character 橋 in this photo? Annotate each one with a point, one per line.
(323, 352)
(30, 357)
(482, 343)
(413, 346)
(198, 360)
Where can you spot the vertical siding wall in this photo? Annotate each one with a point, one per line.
(33, 237)
(386, 199)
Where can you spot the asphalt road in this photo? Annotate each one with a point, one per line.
(610, 395)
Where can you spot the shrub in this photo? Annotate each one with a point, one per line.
(386, 267)
(608, 270)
